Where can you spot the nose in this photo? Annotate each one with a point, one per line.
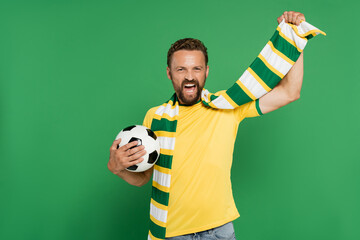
(189, 76)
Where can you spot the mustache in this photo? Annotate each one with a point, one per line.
(186, 81)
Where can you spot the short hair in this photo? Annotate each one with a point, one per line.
(187, 44)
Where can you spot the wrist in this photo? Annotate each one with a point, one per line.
(119, 172)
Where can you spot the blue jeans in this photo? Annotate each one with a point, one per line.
(224, 232)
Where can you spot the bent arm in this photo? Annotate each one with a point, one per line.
(287, 90)
(136, 178)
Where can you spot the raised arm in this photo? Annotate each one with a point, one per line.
(273, 63)
(288, 89)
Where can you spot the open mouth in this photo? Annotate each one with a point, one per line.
(190, 88)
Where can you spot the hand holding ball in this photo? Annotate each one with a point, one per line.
(146, 137)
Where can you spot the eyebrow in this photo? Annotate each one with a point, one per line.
(199, 66)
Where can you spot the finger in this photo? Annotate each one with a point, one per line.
(279, 19)
(292, 16)
(136, 155)
(129, 145)
(135, 150)
(115, 144)
(134, 162)
(302, 18)
(286, 16)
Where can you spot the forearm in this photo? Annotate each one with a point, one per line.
(134, 178)
(291, 84)
(287, 90)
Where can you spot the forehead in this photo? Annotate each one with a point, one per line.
(188, 58)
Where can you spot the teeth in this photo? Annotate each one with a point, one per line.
(189, 85)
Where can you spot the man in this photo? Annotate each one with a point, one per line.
(201, 203)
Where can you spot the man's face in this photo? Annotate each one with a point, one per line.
(188, 73)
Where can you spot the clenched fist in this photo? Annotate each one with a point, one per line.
(291, 17)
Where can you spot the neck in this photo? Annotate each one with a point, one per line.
(181, 103)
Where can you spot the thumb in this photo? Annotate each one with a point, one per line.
(116, 143)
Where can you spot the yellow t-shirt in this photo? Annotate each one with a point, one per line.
(201, 195)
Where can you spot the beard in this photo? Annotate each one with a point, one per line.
(183, 97)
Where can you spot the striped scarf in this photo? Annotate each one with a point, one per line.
(270, 66)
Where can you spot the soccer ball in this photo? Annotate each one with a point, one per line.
(146, 137)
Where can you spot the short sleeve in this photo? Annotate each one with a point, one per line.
(149, 116)
(247, 110)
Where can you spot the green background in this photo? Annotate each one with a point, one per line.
(74, 73)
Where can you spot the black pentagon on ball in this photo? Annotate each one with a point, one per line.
(135, 139)
(152, 157)
(133, 167)
(129, 128)
(151, 133)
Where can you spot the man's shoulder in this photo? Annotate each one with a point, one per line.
(149, 116)
(152, 111)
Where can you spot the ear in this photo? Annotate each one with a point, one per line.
(207, 71)
(168, 73)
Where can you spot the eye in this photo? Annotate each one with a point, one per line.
(197, 69)
(179, 69)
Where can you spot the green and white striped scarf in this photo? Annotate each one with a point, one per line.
(270, 66)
